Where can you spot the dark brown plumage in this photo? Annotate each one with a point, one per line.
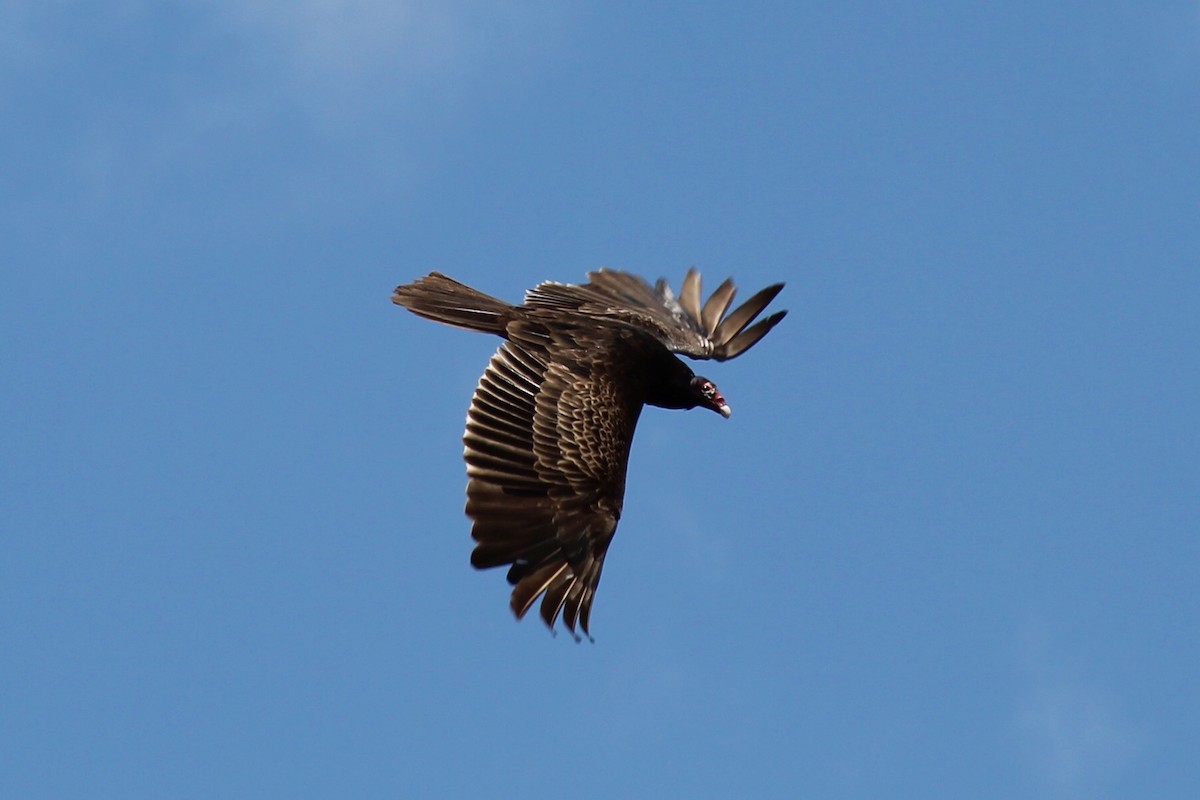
(551, 422)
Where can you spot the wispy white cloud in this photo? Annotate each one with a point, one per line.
(354, 36)
(360, 86)
(337, 54)
(1073, 734)
(324, 42)
(1077, 742)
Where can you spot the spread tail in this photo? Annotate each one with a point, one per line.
(445, 300)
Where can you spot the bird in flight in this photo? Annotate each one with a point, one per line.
(552, 419)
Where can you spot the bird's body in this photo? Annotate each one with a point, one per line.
(552, 420)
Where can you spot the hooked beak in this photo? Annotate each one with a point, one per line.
(705, 393)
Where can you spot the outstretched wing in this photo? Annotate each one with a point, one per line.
(681, 323)
(547, 445)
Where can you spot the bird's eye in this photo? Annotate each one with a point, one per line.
(709, 390)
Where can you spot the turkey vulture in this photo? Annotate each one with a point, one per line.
(551, 422)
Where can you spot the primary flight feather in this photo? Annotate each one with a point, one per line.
(551, 422)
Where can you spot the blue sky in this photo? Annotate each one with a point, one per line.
(945, 547)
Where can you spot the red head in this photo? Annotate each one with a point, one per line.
(706, 394)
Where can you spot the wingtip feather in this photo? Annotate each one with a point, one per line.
(744, 314)
(751, 336)
(689, 294)
(716, 306)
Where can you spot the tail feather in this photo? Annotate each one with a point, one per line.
(443, 299)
